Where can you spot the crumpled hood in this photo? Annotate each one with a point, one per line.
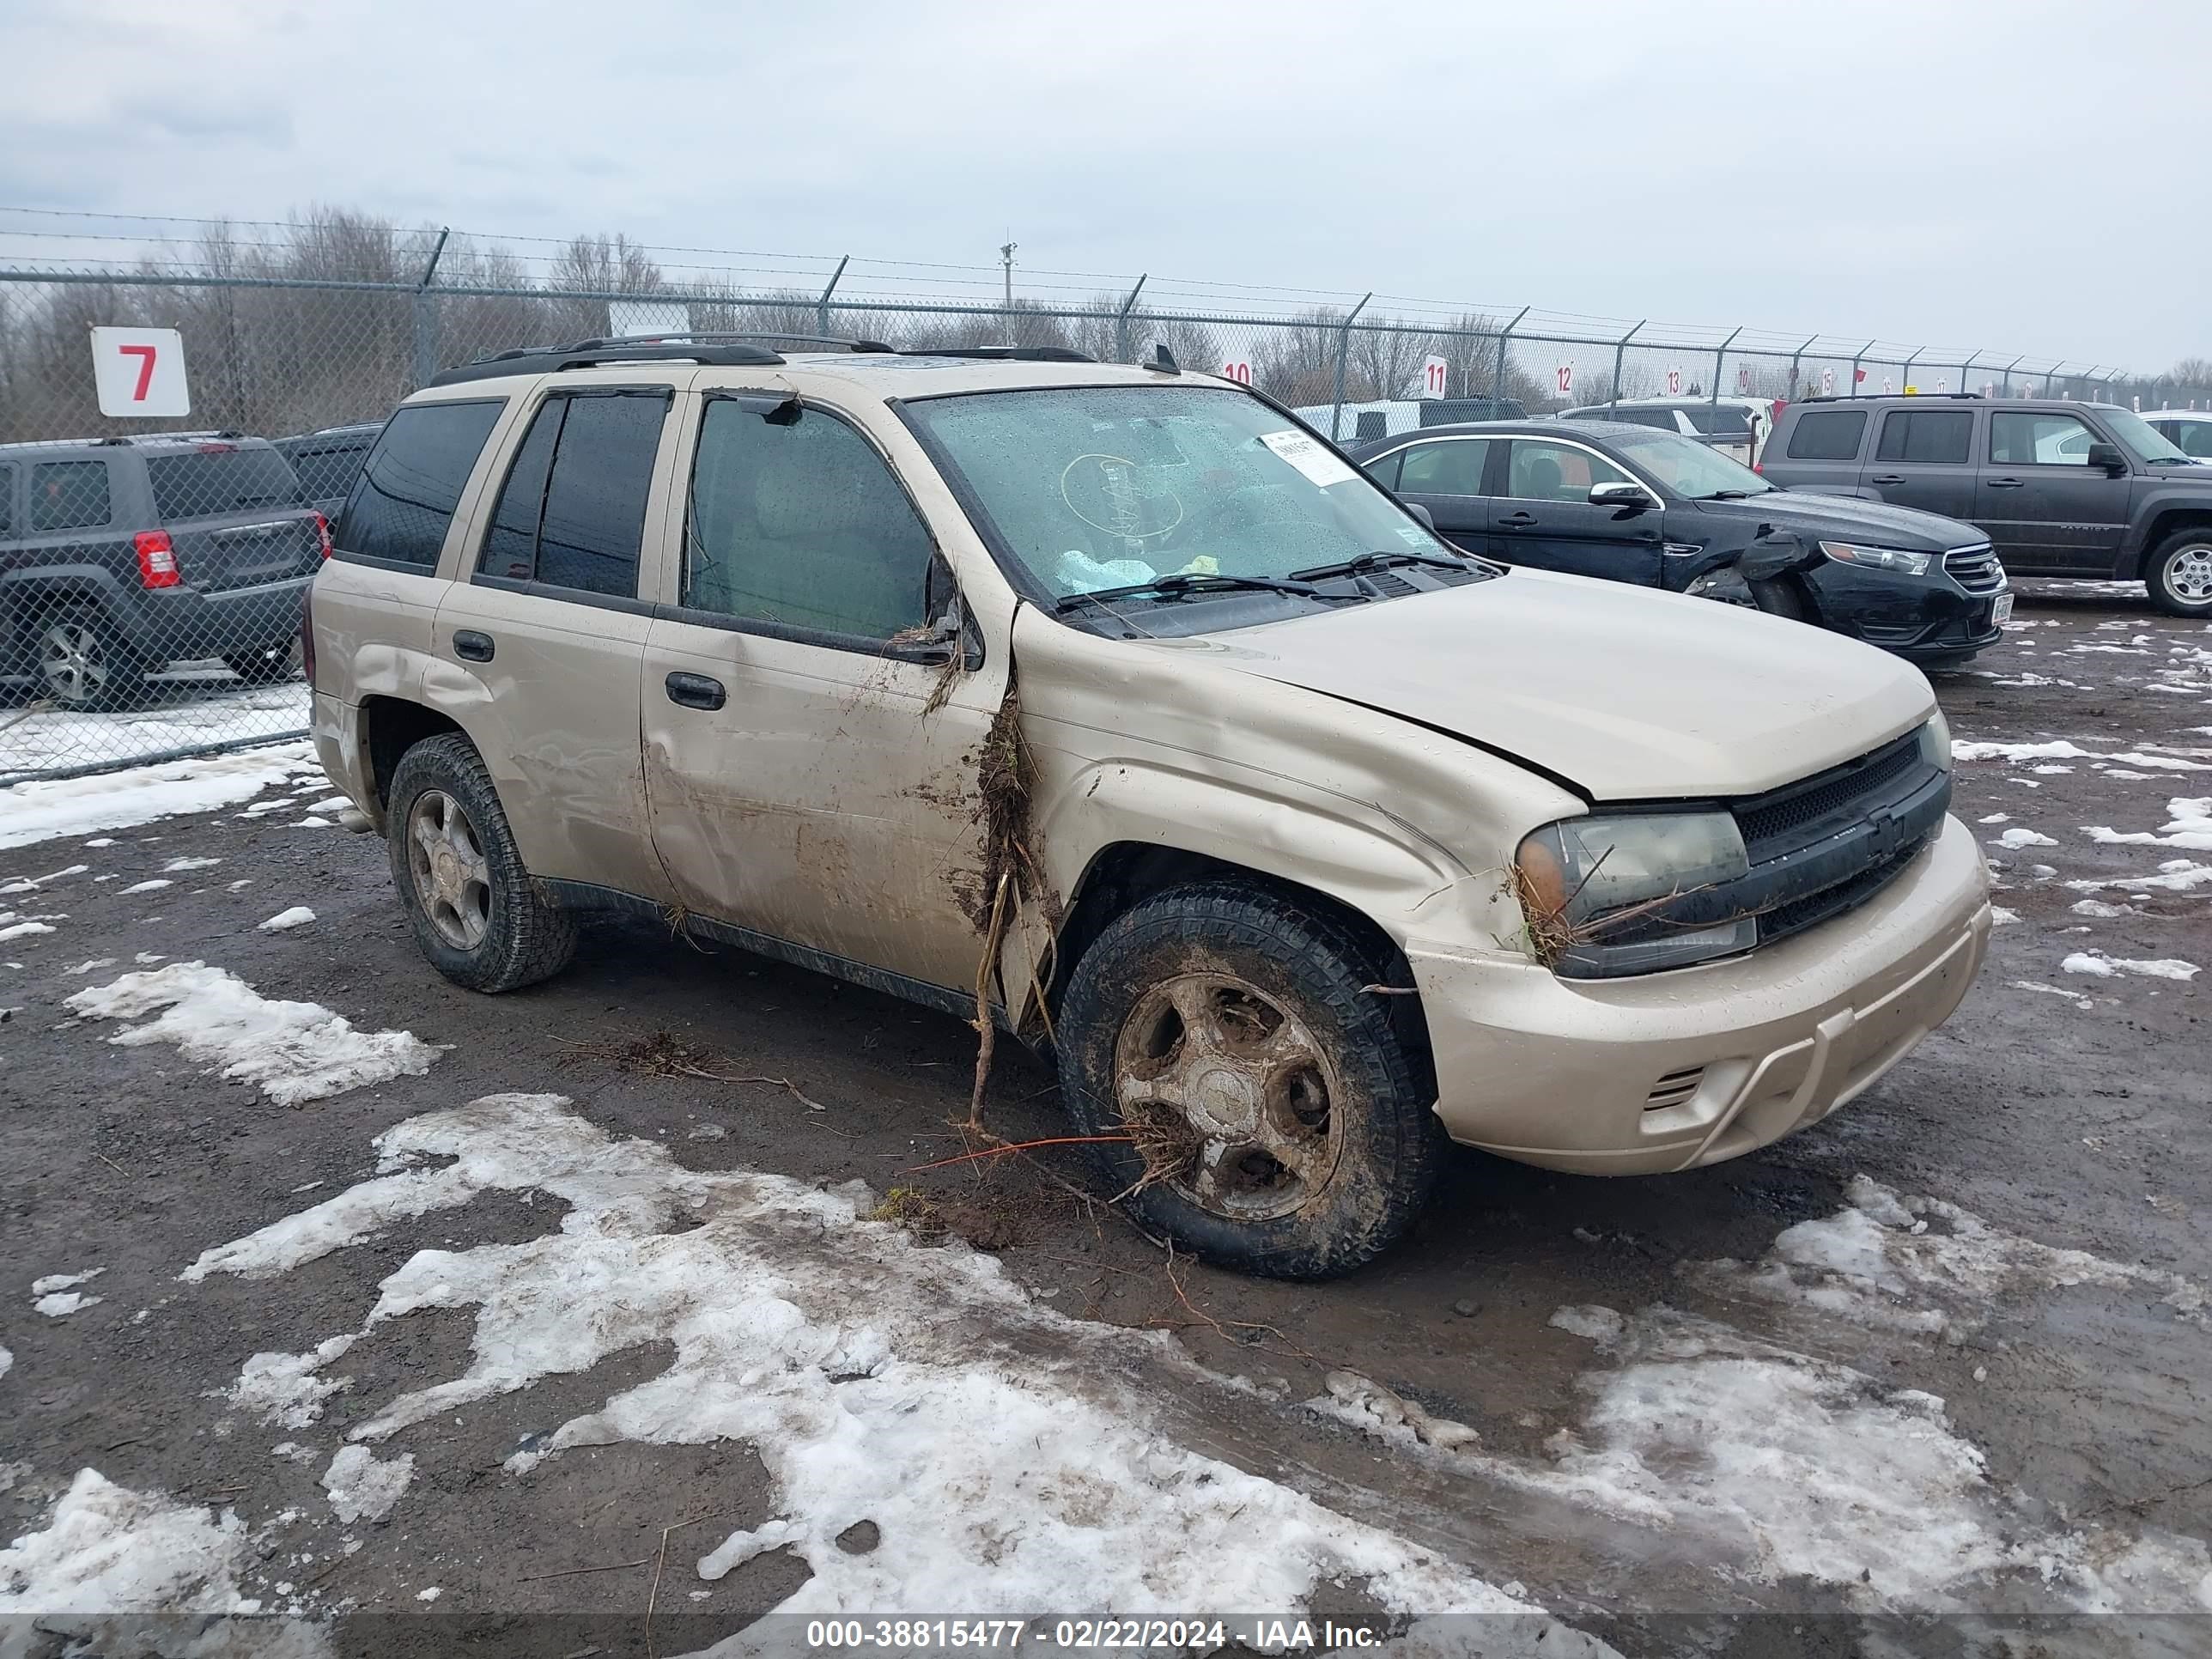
(1625, 693)
(1844, 518)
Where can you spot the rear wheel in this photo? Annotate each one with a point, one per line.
(1276, 1122)
(84, 663)
(453, 859)
(2180, 574)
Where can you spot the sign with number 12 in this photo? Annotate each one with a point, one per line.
(140, 372)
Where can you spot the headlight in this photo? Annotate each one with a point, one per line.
(1935, 742)
(1605, 897)
(1878, 558)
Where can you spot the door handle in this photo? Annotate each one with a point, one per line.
(2004, 484)
(472, 647)
(695, 691)
(1886, 478)
(1518, 520)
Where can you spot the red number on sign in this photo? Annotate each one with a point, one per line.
(145, 369)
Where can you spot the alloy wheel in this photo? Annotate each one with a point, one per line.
(2189, 574)
(72, 662)
(453, 881)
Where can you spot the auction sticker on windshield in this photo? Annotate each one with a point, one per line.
(1308, 457)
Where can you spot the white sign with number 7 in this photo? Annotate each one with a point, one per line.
(140, 371)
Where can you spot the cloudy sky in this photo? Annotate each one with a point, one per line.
(2022, 176)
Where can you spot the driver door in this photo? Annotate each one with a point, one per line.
(1544, 517)
(808, 750)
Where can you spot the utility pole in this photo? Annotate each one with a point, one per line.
(1006, 259)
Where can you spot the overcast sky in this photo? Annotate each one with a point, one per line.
(2023, 177)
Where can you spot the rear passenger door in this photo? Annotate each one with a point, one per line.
(1925, 458)
(1445, 475)
(810, 746)
(2046, 507)
(1543, 516)
(1821, 452)
(540, 641)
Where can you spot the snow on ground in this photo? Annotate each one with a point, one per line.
(283, 1389)
(37, 810)
(295, 1051)
(153, 886)
(2189, 824)
(7, 1362)
(2105, 967)
(1004, 1451)
(2174, 876)
(363, 1486)
(217, 711)
(2020, 836)
(284, 921)
(56, 1296)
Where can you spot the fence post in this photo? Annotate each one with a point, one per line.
(1796, 358)
(1343, 352)
(426, 314)
(1856, 357)
(1498, 379)
(2009, 367)
(1121, 320)
(1964, 369)
(1719, 361)
(822, 305)
(1619, 354)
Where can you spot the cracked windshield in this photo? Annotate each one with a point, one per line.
(1101, 488)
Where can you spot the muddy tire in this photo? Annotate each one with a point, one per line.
(1280, 1127)
(2180, 574)
(460, 879)
(80, 662)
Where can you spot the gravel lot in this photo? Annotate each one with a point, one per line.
(1943, 1358)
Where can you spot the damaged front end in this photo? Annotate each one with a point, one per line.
(1768, 564)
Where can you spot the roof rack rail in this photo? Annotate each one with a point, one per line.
(545, 359)
(725, 336)
(1004, 354)
(1871, 397)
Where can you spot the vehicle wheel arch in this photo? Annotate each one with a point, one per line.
(2167, 524)
(390, 728)
(1123, 874)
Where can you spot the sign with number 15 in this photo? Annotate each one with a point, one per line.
(140, 372)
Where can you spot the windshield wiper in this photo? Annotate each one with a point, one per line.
(1731, 495)
(1375, 562)
(1182, 583)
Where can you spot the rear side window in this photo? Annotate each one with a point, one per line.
(402, 503)
(1932, 437)
(1384, 469)
(802, 523)
(2195, 437)
(220, 478)
(327, 473)
(69, 496)
(1720, 421)
(1445, 469)
(572, 512)
(1828, 435)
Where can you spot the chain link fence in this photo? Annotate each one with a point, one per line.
(154, 561)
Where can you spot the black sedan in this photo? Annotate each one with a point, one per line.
(1635, 505)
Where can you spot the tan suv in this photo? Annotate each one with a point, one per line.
(1303, 842)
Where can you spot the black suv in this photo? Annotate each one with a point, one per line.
(2061, 489)
(1630, 504)
(120, 555)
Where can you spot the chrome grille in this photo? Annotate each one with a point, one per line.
(1975, 568)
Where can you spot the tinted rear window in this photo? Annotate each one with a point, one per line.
(69, 496)
(201, 483)
(1935, 437)
(402, 503)
(1718, 421)
(1831, 435)
(572, 512)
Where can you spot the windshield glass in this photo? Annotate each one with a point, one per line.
(1102, 487)
(1687, 467)
(2140, 439)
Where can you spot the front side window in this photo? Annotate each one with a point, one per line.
(2032, 438)
(572, 512)
(1450, 468)
(1930, 437)
(801, 524)
(1556, 472)
(1091, 488)
(2195, 437)
(1828, 435)
(69, 496)
(402, 503)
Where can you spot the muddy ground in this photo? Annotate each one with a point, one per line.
(2075, 1118)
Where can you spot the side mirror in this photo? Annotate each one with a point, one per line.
(1630, 497)
(1428, 519)
(2109, 457)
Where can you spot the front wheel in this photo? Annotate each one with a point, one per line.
(2180, 574)
(453, 859)
(1274, 1119)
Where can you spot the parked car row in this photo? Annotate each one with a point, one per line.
(1301, 840)
(119, 556)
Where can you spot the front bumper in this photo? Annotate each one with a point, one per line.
(1930, 621)
(1676, 1070)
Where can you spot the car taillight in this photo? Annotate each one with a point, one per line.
(157, 559)
(307, 636)
(323, 530)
